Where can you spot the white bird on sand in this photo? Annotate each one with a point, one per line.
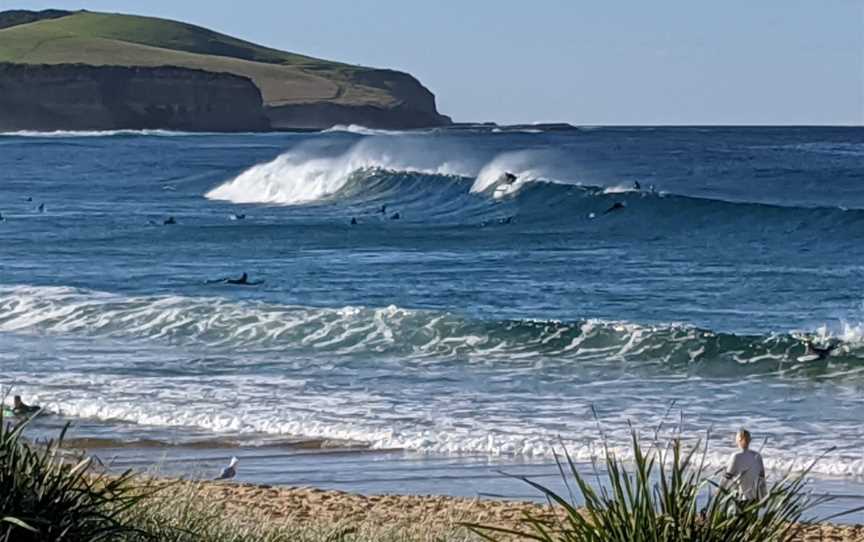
(230, 471)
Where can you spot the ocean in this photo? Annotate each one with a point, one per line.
(662, 278)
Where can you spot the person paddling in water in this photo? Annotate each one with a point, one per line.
(617, 206)
(745, 474)
(242, 280)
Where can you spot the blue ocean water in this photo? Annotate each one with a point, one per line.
(490, 318)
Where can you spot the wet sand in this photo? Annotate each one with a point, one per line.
(305, 506)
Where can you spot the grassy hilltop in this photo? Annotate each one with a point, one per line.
(285, 79)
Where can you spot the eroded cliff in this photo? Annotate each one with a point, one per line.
(82, 97)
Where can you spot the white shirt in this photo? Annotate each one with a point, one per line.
(747, 475)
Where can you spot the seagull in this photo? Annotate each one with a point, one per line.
(230, 471)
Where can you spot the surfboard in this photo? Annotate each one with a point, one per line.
(808, 357)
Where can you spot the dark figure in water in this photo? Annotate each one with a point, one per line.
(821, 351)
(19, 408)
(353, 221)
(243, 280)
(383, 209)
(395, 216)
(168, 221)
(238, 217)
(509, 178)
(617, 206)
(1, 218)
(41, 208)
(28, 198)
(636, 185)
(506, 220)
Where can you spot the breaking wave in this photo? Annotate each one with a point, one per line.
(225, 324)
(96, 133)
(370, 173)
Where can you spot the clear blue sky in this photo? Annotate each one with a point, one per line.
(585, 62)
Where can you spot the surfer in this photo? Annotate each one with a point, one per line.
(811, 349)
(617, 206)
(242, 280)
(168, 221)
(383, 209)
(509, 178)
(636, 185)
(19, 408)
(41, 208)
(506, 220)
(238, 217)
(395, 216)
(353, 221)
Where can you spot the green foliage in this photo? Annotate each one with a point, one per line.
(45, 497)
(665, 496)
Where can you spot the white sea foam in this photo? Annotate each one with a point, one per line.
(280, 406)
(305, 175)
(539, 379)
(361, 130)
(526, 165)
(97, 133)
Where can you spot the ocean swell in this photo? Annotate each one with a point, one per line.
(219, 323)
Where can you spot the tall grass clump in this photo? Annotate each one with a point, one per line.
(47, 497)
(664, 494)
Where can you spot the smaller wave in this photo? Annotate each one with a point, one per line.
(361, 130)
(96, 133)
(517, 131)
(409, 333)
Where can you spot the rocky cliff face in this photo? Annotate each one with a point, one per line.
(83, 97)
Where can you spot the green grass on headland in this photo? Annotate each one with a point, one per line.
(131, 40)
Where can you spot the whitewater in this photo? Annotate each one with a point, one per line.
(413, 299)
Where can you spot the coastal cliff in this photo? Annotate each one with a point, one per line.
(129, 72)
(81, 97)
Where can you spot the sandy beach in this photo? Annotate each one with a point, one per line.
(415, 515)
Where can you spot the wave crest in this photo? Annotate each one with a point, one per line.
(220, 323)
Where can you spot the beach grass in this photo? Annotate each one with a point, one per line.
(665, 495)
(44, 496)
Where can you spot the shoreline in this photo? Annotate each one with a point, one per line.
(303, 507)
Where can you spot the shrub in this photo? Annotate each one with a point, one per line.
(664, 495)
(45, 496)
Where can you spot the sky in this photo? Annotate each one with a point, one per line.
(583, 62)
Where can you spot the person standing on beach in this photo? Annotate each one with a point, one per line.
(745, 473)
